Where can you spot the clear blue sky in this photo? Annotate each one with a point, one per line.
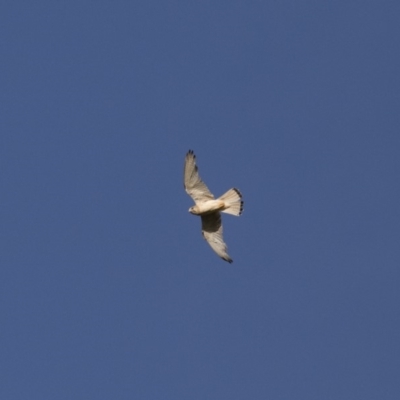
(107, 289)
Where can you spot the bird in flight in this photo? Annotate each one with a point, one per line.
(209, 208)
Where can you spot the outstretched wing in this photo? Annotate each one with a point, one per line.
(194, 186)
(212, 231)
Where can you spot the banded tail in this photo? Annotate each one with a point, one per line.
(233, 202)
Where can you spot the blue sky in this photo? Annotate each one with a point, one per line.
(107, 289)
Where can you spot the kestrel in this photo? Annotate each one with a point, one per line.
(208, 208)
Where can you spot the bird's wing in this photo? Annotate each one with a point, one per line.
(194, 186)
(212, 231)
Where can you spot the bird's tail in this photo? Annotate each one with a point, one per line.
(233, 202)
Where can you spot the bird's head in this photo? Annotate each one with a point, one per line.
(194, 210)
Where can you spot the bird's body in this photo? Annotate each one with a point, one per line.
(209, 208)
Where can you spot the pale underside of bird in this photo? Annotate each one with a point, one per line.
(209, 208)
